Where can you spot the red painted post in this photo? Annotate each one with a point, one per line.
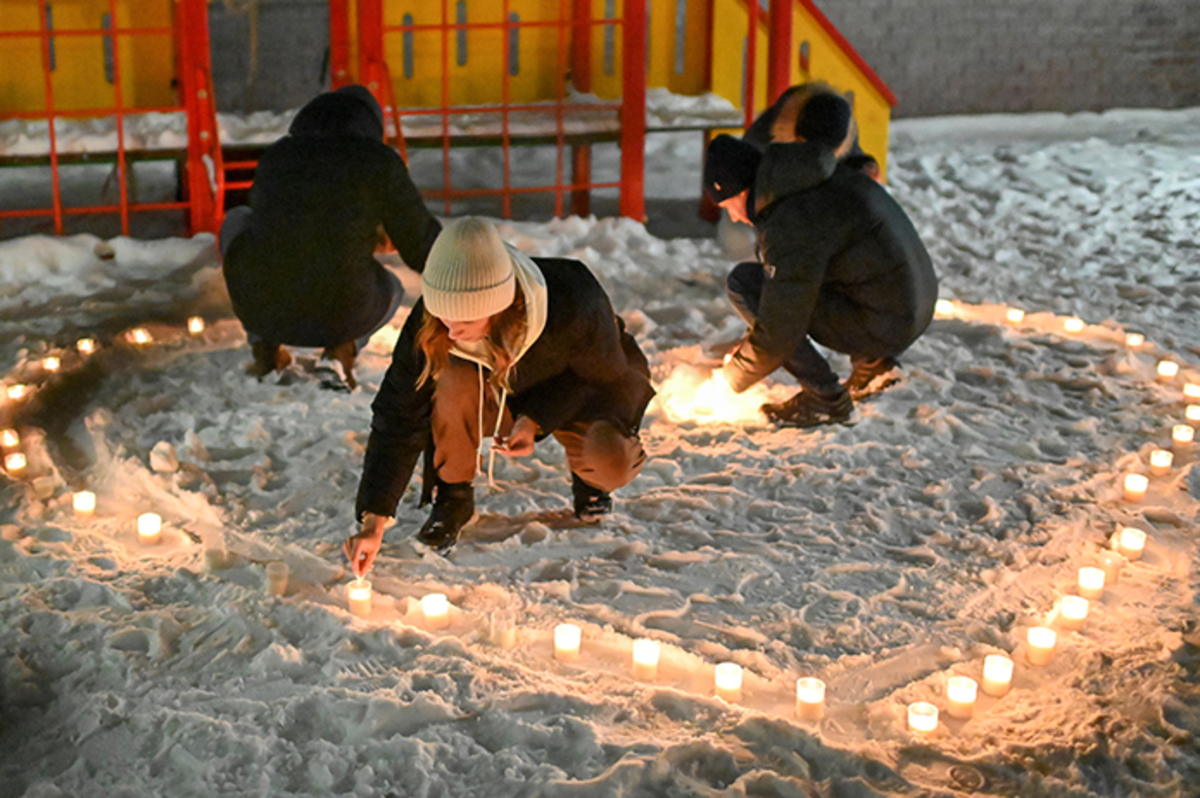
(633, 111)
(192, 26)
(339, 44)
(581, 76)
(370, 45)
(779, 49)
(750, 75)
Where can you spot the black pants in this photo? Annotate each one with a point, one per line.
(836, 324)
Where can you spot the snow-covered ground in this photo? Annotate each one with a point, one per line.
(881, 557)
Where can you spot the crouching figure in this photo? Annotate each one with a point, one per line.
(509, 346)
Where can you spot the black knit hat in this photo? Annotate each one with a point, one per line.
(824, 119)
(729, 167)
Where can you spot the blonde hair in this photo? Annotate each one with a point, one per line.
(506, 333)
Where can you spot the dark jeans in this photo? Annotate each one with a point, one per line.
(744, 287)
(238, 220)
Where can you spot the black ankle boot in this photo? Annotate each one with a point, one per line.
(453, 509)
(591, 504)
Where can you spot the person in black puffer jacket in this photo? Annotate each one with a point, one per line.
(842, 265)
(299, 261)
(536, 342)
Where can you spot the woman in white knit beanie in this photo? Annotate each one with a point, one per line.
(510, 346)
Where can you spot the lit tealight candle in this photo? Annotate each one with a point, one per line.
(10, 438)
(1160, 462)
(1091, 582)
(1167, 370)
(86, 346)
(1135, 486)
(358, 597)
(1133, 340)
(567, 638)
(1192, 414)
(84, 503)
(1191, 391)
(1041, 644)
(1073, 612)
(1111, 563)
(997, 674)
(1073, 324)
(1015, 315)
(1182, 436)
(149, 528)
(14, 464)
(17, 391)
(1131, 543)
(943, 307)
(960, 695)
(437, 610)
(51, 363)
(140, 335)
(922, 717)
(810, 698)
(728, 678)
(645, 659)
(195, 325)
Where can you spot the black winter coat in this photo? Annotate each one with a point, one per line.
(830, 236)
(583, 367)
(303, 273)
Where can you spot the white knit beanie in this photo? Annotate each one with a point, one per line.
(468, 274)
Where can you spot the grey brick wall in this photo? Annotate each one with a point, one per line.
(976, 56)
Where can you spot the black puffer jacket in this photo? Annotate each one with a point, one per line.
(830, 234)
(583, 367)
(303, 272)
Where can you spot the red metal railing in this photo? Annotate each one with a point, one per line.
(190, 34)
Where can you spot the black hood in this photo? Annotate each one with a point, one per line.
(349, 111)
(790, 168)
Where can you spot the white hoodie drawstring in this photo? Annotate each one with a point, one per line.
(495, 433)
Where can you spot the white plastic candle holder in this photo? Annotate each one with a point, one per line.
(810, 698)
(277, 579)
(645, 659)
(83, 502)
(1074, 325)
(195, 325)
(1014, 315)
(1182, 436)
(436, 608)
(1111, 562)
(14, 464)
(10, 438)
(1191, 414)
(997, 675)
(961, 692)
(1134, 339)
(728, 680)
(140, 336)
(1168, 370)
(86, 346)
(149, 529)
(567, 640)
(1191, 391)
(358, 598)
(1134, 487)
(1131, 542)
(51, 363)
(1160, 462)
(1091, 582)
(502, 628)
(1073, 612)
(922, 717)
(1040, 648)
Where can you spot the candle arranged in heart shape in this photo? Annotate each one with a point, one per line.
(997, 674)
(728, 679)
(1135, 486)
(645, 659)
(1131, 542)
(1015, 315)
(922, 717)
(84, 503)
(1040, 645)
(149, 528)
(960, 695)
(195, 325)
(1160, 462)
(1073, 611)
(436, 608)
(1167, 370)
(567, 640)
(86, 346)
(1134, 339)
(1073, 324)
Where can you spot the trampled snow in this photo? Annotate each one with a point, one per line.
(881, 557)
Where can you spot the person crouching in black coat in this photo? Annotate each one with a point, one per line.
(299, 262)
(510, 346)
(842, 265)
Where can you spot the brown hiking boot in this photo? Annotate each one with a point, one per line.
(343, 355)
(871, 376)
(267, 358)
(811, 409)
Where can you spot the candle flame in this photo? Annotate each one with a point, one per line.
(1133, 340)
(85, 345)
(696, 395)
(195, 325)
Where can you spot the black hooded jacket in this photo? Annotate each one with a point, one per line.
(583, 367)
(832, 237)
(303, 273)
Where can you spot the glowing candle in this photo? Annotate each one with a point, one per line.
(84, 503)
(1191, 391)
(14, 464)
(645, 659)
(922, 717)
(1182, 436)
(1167, 370)
(149, 528)
(51, 363)
(1041, 644)
(10, 438)
(997, 674)
(140, 335)
(17, 391)
(567, 637)
(437, 610)
(277, 582)
(195, 325)
(1091, 582)
(1133, 340)
(1131, 543)
(1073, 324)
(960, 695)
(358, 596)
(728, 679)
(810, 698)
(1073, 612)
(1111, 563)
(1160, 462)
(86, 346)
(943, 307)
(1135, 486)
(1192, 414)
(1015, 315)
